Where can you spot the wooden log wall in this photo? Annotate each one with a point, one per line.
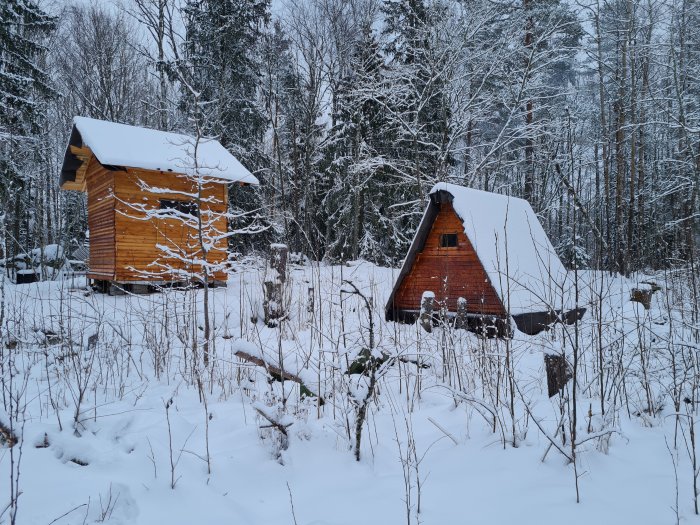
(138, 236)
(100, 202)
(450, 273)
(125, 237)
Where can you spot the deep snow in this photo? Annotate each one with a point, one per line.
(124, 438)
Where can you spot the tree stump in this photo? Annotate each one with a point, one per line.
(643, 294)
(558, 373)
(427, 304)
(278, 260)
(273, 285)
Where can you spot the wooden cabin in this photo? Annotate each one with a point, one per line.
(489, 250)
(149, 194)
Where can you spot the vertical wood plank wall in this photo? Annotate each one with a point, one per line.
(449, 272)
(138, 237)
(100, 201)
(125, 242)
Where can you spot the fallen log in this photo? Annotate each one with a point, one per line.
(277, 373)
(273, 422)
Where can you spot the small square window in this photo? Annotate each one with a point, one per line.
(185, 207)
(448, 240)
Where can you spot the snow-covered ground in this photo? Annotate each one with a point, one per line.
(109, 424)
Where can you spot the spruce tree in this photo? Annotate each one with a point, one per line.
(421, 110)
(362, 186)
(221, 64)
(24, 90)
(221, 51)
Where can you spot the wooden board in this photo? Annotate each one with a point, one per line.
(450, 273)
(85, 156)
(162, 249)
(100, 203)
(126, 244)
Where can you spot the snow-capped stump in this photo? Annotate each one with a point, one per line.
(490, 250)
(273, 284)
(157, 204)
(643, 293)
(426, 311)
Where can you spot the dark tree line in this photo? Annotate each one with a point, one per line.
(348, 111)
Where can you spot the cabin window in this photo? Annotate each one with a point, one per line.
(448, 240)
(186, 207)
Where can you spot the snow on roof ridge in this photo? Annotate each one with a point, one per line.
(119, 144)
(513, 247)
(449, 187)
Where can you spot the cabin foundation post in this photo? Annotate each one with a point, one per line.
(462, 319)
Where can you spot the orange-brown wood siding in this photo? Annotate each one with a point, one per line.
(450, 273)
(100, 202)
(138, 257)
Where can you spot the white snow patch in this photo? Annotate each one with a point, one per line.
(135, 147)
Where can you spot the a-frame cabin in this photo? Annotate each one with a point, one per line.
(489, 250)
(149, 195)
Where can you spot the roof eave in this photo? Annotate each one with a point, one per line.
(71, 162)
(417, 244)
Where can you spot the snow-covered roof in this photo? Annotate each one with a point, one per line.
(136, 147)
(514, 249)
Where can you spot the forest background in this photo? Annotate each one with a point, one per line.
(349, 110)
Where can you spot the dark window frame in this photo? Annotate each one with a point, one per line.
(186, 207)
(448, 240)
